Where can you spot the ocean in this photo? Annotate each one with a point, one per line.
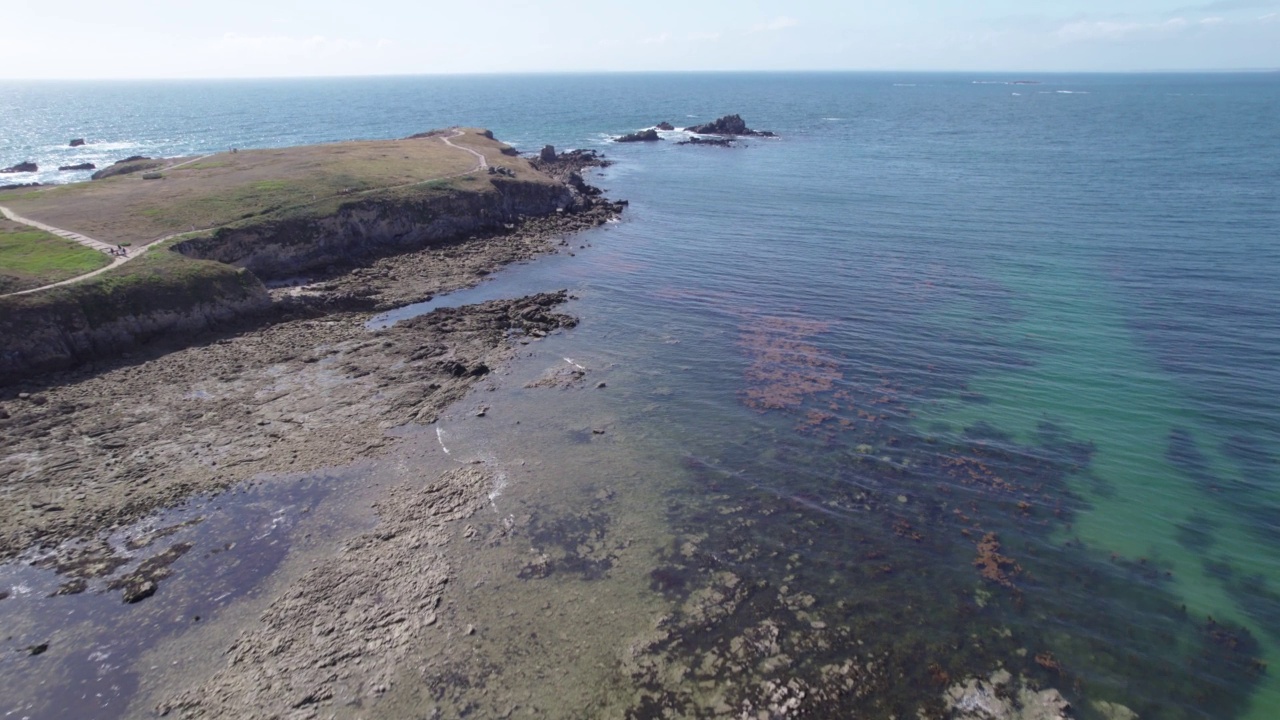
(984, 369)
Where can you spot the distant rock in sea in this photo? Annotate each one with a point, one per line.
(729, 125)
(666, 126)
(21, 167)
(649, 135)
(77, 142)
(81, 166)
(715, 141)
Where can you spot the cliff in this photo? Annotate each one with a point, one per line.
(363, 229)
(67, 326)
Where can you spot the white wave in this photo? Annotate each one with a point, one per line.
(1018, 94)
(904, 84)
(499, 484)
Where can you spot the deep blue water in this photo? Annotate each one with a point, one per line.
(1071, 282)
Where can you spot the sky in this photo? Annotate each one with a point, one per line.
(126, 39)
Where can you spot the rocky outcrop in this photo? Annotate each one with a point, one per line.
(728, 125)
(134, 164)
(81, 166)
(548, 154)
(712, 141)
(666, 126)
(77, 142)
(22, 167)
(65, 327)
(649, 135)
(362, 230)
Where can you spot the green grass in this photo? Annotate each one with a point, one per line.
(30, 258)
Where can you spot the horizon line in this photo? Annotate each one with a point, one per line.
(529, 73)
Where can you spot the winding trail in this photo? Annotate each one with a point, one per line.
(106, 248)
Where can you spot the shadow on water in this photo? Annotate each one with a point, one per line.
(78, 617)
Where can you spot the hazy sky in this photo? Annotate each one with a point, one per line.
(270, 38)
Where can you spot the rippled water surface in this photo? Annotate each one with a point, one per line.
(953, 360)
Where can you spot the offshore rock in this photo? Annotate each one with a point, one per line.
(666, 126)
(649, 135)
(22, 167)
(81, 166)
(77, 142)
(728, 125)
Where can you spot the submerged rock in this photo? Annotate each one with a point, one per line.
(1000, 698)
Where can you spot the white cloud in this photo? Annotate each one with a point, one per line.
(781, 22)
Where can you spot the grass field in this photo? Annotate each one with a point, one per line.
(31, 258)
(233, 187)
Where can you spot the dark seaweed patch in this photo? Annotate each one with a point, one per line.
(573, 544)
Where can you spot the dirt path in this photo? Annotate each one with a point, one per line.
(481, 163)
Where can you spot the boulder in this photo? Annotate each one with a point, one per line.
(81, 166)
(133, 164)
(649, 135)
(728, 125)
(21, 167)
(666, 126)
(77, 142)
(548, 154)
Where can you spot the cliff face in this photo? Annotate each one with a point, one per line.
(81, 323)
(220, 278)
(364, 229)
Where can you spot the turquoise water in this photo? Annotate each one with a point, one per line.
(936, 310)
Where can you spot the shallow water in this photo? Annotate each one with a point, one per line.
(933, 311)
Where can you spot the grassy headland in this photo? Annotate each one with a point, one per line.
(221, 189)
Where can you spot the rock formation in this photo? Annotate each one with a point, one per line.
(666, 126)
(77, 142)
(728, 125)
(21, 167)
(81, 166)
(649, 135)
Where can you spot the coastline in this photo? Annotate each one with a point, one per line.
(301, 388)
(120, 436)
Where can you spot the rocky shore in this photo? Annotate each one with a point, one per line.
(298, 384)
